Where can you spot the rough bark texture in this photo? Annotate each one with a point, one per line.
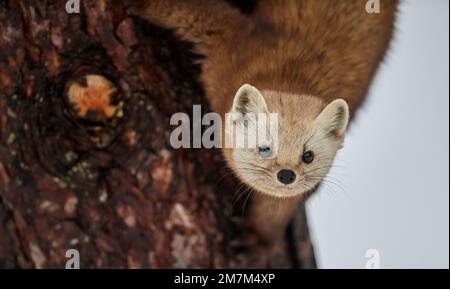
(85, 163)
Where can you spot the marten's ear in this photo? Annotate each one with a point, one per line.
(248, 99)
(333, 119)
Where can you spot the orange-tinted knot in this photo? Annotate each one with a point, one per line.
(94, 94)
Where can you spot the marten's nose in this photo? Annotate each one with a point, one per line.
(286, 176)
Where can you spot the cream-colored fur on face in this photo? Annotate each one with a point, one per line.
(305, 124)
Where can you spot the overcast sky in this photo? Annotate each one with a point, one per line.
(391, 190)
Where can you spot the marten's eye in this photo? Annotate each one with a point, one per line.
(265, 152)
(308, 157)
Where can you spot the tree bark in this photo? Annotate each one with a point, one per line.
(85, 159)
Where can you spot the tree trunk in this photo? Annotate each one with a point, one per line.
(85, 159)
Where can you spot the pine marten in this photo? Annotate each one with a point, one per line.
(310, 61)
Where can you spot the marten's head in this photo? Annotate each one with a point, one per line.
(294, 159)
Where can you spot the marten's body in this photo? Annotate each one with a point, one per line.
(301, 55)
(326, 48)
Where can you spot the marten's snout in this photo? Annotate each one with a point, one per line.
(286, 176)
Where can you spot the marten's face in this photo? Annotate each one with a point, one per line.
(293, 160)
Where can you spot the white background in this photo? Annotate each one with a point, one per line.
(393, 175)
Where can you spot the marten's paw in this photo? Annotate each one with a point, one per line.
(251, 248)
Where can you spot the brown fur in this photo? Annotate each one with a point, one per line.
(325, 48)
(301, 55)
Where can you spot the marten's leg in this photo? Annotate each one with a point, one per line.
(267, 221)
(202, 22)
(268, 217)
